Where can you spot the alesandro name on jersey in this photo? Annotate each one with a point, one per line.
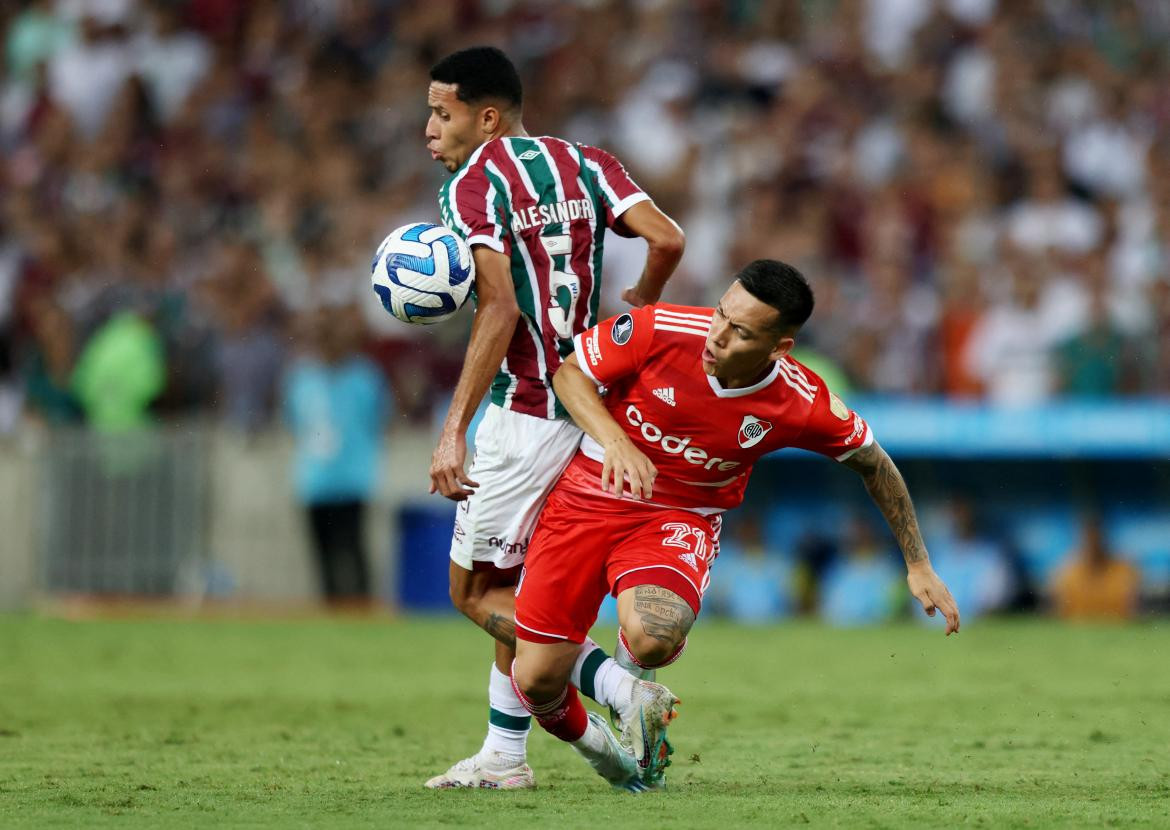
(556, 213)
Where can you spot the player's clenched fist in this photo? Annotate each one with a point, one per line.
(625, 462)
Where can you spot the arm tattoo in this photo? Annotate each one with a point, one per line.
(502, 628)
(888, 491)
(664, 614)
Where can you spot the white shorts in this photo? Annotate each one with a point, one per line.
(518, 459)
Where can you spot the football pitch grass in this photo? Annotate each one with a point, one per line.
(334, 723)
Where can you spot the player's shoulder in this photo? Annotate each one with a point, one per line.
(809, 387)
(681, 320)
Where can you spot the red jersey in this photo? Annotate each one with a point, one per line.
(702, 438)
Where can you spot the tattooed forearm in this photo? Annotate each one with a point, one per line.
(664, 614)
(888, 491)
(502, 628)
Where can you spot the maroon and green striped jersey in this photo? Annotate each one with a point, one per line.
(545, 203)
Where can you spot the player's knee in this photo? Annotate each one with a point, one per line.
(538, 683)
(654, 650)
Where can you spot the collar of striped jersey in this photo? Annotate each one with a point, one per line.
(718, 389)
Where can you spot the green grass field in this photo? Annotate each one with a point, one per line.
(336, 724)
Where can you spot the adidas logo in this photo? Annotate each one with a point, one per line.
(528, 155)
(665, 393)
(690, 559)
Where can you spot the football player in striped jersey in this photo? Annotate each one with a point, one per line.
(534, 210)
(695, 396)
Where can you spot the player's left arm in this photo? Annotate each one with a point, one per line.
(623, 461)
(887, 488)
(665, 244)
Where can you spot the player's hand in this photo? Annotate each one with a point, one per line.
(640, 295)
(933, 593)
(625, 462)
(447, 475)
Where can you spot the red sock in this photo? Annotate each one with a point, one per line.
(564, 716)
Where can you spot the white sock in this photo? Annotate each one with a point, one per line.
(593, 741)
(598, 676)
(508, 721)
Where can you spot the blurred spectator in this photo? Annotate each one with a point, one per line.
(948, 172)
(754, 584)
(120, 372)
(337, 405)
(975, 567)
(864, 587)
(1093, 583)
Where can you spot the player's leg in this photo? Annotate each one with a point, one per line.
(541, 677)
(485, 595)
(517, 461)
(658, 574)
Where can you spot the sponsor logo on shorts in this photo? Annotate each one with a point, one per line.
(691, 560)
(506, 546)
(459, 532)
(623, 329)
(752, 431)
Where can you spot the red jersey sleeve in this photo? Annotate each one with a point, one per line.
(619, 192)
(833, 429)
(481, 212)
(616, 347)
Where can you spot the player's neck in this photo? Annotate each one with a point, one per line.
(747, 379)
(508, 130)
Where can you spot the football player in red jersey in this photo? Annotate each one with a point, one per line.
(694, 397)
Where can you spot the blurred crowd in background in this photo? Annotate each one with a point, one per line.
(976, 188)
(979, 191)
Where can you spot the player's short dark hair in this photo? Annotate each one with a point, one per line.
(781, 286)
(480, 73)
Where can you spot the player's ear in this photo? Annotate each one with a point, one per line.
(783, 346)
(489, 120)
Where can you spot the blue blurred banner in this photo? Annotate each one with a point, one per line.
(1110, 429)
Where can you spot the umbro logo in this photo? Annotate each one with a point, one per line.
(528, 155)
(665, 393)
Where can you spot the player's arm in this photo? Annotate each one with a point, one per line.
(887, 488)
(491, 332)
(623, 461)
(666, 243)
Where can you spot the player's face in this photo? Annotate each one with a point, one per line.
(743, 339)
(452, 130)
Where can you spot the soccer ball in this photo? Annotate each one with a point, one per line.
(422, 273)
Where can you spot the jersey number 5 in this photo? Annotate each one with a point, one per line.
(564, 288)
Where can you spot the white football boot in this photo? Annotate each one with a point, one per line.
(485, 770)
(612, 762)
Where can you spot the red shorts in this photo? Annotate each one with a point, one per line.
(585, 547)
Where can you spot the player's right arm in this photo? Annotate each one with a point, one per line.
(602, 355)
(623, 461)
(496, 316)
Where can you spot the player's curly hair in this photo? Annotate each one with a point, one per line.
(480, 73)
(781, 286)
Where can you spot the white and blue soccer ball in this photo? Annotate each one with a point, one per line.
(422, 273)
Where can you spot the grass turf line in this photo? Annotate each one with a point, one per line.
(337, 723)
